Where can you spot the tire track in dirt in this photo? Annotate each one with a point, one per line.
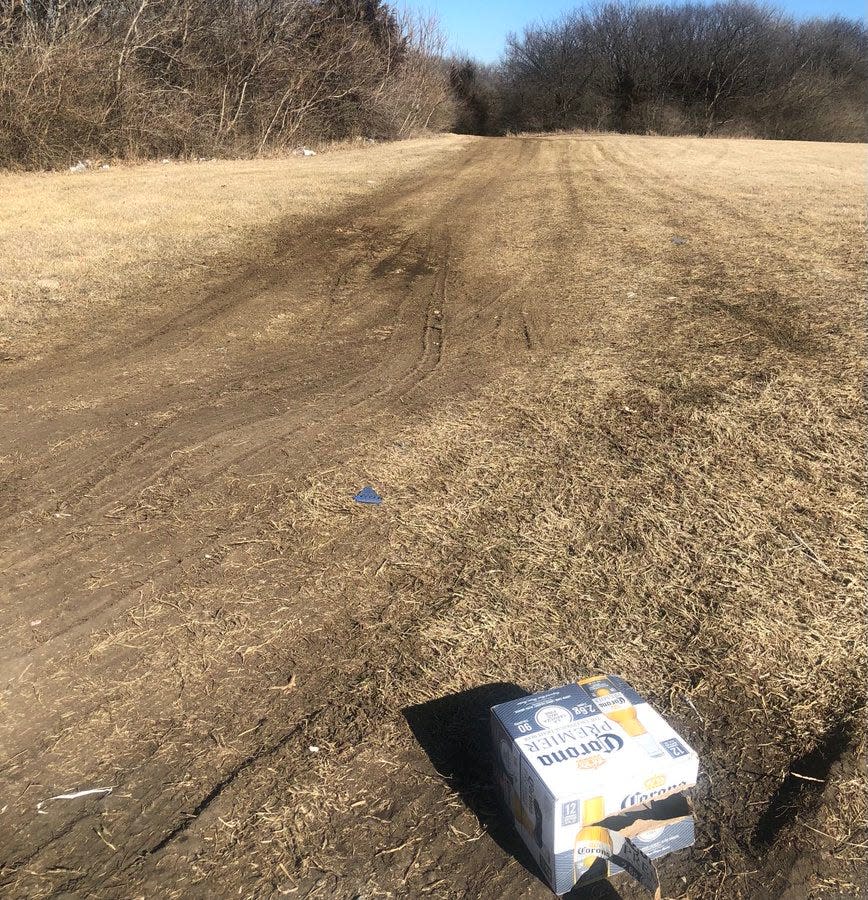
(360, 392)
(307, 270)
(420, 308)
(100, 490)
(247, 287)
(326, 700)
(430, 355)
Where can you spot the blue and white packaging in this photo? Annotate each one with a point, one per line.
(581, 768)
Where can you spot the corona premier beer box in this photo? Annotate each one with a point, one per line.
(582, 769)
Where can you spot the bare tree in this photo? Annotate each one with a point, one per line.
(689, 67)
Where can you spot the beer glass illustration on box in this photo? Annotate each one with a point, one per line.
(615, 706)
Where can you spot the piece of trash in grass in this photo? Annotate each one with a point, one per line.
(595, 781)
(313, 749)
(369, 496)
(35, 622)
(679, 240)
(73, 796)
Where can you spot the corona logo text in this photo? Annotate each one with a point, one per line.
(632, 800)
(605, 743)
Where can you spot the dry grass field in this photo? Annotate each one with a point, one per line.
(601, 449)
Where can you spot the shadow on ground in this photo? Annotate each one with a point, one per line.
(454, 732)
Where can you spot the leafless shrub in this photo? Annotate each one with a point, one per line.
(418, 98)
(180, 77)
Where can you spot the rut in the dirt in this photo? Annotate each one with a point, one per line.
(394, 333)
(240, 406)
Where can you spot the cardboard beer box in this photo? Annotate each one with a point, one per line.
(583, 770)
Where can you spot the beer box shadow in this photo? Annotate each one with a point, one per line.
(454, 732)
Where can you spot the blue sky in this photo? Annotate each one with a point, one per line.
(479, 27)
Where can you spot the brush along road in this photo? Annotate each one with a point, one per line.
(601, 451)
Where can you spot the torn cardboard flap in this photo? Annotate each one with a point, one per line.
(651, 816)
(658, 828)
(594, 779)
(623, 855)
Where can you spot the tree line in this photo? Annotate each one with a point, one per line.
(145, 78)
(732, 67)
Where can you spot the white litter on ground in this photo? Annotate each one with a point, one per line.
(73, 796)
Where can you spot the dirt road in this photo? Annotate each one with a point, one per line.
(609, 390)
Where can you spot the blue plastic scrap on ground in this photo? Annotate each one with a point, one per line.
(368, 495)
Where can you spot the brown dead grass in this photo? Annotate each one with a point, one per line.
(666, 485)
(680, 504)
(77, 247)
(699, 535)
